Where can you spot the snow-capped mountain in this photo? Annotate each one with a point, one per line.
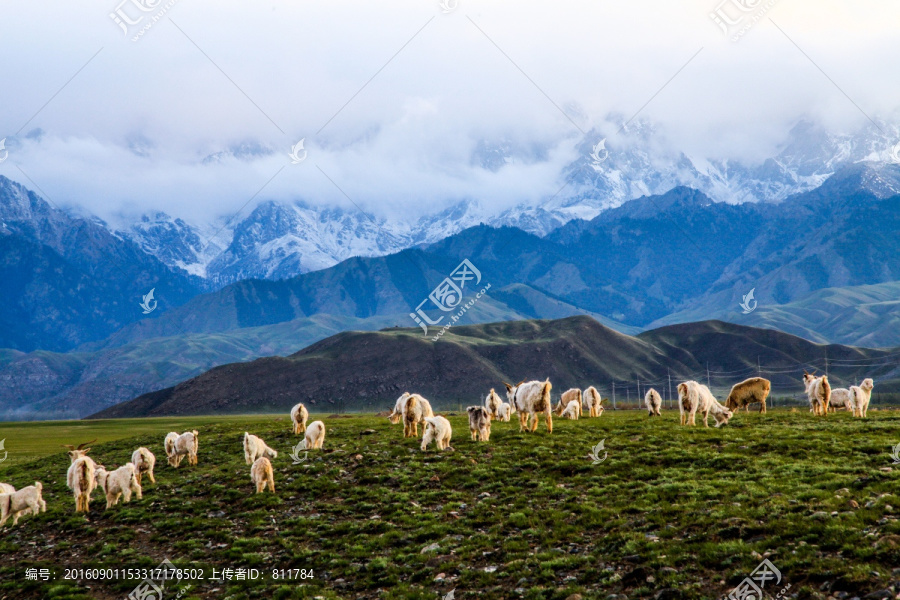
(620, 167)
(281, 240)
(176, 243)
(278, 241)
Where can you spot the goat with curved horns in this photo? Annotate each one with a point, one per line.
(80, 447)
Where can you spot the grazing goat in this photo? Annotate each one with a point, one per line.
(818, 390)
(572, 410)
(591, 401)
(504, 412)
(694, 397)
(492, 403)
(28, 500)
(653, 402)
(81, 477)
(479, 423)
(144, 461)
(299, 416)
(255, 448)
(397, 414)
(414, 412)
(315, 435)
(840, 398)
(745, 393)
(860, 396)
(530, 400)
(261, 474)
(438, 430)
(568, 396)
(119, 483)
(179, 446)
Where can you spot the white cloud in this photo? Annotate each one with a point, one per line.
(130, 131)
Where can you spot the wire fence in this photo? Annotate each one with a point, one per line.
(787, 386)
(787, 382)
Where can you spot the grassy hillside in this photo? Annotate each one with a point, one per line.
(43, 385)
(28, 441)
(364, 370)
(866, 315)
(360, 371)
(673, 512)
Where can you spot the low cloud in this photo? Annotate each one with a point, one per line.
(131, 131)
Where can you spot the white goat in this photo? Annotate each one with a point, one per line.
(28, 500)
(255, 448)
(415, 411)
(861, 395)
(653, 402)
(399, 406)
(503, 414)
(492, 403)
(695, 397)
(567, 397)
(299, 416)
(438, 430)
(144, 461)
(179, 446)
(530, 400)
(572, 410)
(315, 435)
(5, 488)
(81, 477)
(592, 402)
(119, 483)
(840, 398)
(261, 474)
(818, 390)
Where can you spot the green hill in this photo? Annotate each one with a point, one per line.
(865, 315)
(364, 371)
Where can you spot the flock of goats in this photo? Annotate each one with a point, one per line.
(528, 399)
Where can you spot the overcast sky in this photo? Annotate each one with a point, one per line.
(130, 131)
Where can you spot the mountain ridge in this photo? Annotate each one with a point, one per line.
(69, 280)
(633, 167)
(368, 370)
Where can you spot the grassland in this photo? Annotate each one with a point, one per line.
(27, 441)
(671, 513)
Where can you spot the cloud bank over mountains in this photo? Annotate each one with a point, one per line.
(488, 103)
